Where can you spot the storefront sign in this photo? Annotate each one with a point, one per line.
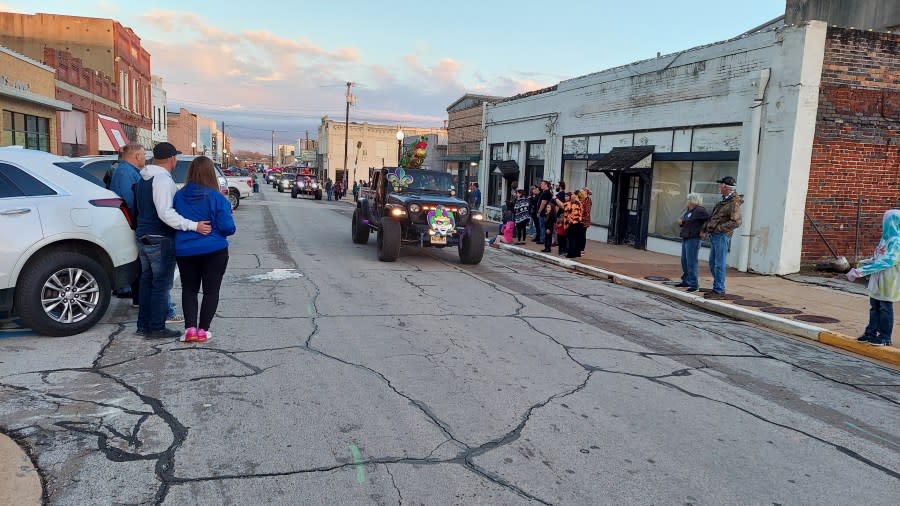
(19, 85)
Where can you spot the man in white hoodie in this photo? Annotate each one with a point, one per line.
(157, 221)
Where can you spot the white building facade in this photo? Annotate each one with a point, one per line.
(159, 129)
(744, 108)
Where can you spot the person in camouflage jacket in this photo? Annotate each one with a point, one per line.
(725, 217)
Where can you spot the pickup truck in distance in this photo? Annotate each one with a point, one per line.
(417, 207)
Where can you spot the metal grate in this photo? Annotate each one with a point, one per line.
(811, 318)
(752, 303)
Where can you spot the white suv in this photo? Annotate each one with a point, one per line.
(65, 242)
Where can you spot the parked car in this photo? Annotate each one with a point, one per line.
(286, 182)
(65, 242)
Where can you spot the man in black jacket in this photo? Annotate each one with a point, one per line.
(691, 223)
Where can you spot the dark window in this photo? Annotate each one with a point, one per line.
(79, 170)
(32, 132)
(99, 168)
(7, 189)
(28, 185)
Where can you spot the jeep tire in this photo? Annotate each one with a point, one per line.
(294, 193)
(319, 195)
(471, 245)
(389, 240)
(31, 294)
(360, 230)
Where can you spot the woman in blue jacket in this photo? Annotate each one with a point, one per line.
(202, 258)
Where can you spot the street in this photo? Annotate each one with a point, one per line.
(333, 378)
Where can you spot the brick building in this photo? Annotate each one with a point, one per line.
(101, 46)
(28, 103)
(464, 135)
(182, 130)
(855, 169)
(93, 97)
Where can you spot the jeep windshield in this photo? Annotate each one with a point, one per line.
(418, 180)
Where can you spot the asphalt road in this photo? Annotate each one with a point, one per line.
(333, 378)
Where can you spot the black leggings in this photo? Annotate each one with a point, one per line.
(521, 230)
(206, 270)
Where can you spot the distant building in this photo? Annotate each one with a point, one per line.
(92, 48)
(377, 147)
(182, 130)
(159, 121)
(284, 154)
(209, 139)
(464, 136)
(28, 104)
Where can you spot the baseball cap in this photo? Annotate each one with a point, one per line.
(728, 181)
(164, 150)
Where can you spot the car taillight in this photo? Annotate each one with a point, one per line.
(115, 203)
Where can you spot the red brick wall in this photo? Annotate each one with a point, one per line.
(856, 149)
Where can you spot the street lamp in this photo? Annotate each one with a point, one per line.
(399, 144)
(193, 148)
(225, 157)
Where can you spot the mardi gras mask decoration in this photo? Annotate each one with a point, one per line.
(399, 179)
(441, 221)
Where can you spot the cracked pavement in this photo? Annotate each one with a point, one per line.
(510, 382)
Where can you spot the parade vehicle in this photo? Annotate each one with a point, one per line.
(306, 184)
(410, 206)
(286, 182)
(273, 176)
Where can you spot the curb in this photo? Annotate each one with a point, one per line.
(887, 354)
(20, 483)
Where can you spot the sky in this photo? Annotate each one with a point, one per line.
(282, 65)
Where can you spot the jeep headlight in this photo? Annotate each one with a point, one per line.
(301, 184)
(477, 216)
(414, 208)
(463, 211)
(315, 186)
(397, 211)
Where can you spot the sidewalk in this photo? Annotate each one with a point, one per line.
(19, 480)
(802, 308)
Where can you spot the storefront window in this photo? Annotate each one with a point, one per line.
(601, 187)
(574, 174)
(575, 146)
(496, 151)
(536, 151)
(32, 132)
(673, 181)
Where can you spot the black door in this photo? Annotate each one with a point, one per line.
(632, 212)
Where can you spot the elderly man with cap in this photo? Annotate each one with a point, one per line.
(725, 217)
(157, 221)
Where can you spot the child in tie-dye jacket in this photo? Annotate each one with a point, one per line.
(884, 283)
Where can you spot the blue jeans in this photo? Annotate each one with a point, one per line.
(532, 226)
(542, 229)
(157, 255)
(330, 193)
(718, 260)
(690, 262)
(881, 319)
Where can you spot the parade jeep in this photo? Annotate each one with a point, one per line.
(417, 208)
(306, 185)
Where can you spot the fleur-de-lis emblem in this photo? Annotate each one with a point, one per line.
(399, 179)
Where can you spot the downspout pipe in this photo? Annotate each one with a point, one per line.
(751, 178)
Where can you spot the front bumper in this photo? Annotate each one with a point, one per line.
(422, 237)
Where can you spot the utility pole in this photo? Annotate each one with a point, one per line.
(347, 127)
(273, 149)
(224, 149)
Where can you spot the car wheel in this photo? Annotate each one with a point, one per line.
(293, 194)
(360, 229)
(471, 244)
(234, 198)
(389, 240)
(62, 294)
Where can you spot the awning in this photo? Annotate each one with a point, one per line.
(509, 168)
(460, 158)
(619, 159)
(115, 138)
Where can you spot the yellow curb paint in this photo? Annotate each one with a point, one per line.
(887, 354)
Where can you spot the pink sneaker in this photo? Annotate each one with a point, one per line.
(190, 335)
(202, 336)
